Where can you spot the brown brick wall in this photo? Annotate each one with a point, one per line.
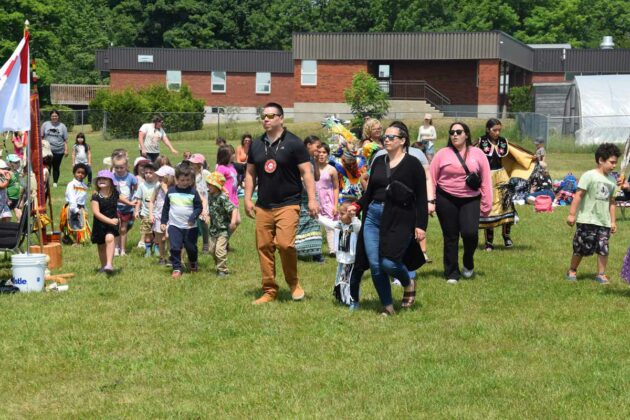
(547, 77)
(240, 89)
(333, 77)
(488, 90)
(454, 79)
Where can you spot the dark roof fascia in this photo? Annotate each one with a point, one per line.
(195, 60)
(459, 45)
(559, 60)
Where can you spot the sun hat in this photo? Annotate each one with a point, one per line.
(140, 161)
(165, 170)
(3, 164)
(216, 179)
(13, 158)
(104, 173)
(197, 158)
(428, 116)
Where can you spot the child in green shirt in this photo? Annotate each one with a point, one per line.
(593, 209)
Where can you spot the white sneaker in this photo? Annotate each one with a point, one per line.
(54, 185)
(467, 273)
(141, 244)
(396, 282)
(117, 252)
(452, 281)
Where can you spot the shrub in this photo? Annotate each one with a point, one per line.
(66, 115)
(126, 111)
(366, 98)
(521, 99)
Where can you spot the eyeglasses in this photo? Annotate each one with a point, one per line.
(390, 137)
(453, 132)
(269, 116)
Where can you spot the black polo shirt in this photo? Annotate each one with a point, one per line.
(283, 187)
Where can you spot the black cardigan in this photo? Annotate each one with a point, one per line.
(398, 222)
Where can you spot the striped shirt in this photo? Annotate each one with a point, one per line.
(182, 207)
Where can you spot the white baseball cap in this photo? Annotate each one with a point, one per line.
(165, 171)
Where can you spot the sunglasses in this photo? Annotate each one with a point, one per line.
(495, 130)
(453, 132)
(269, 116)
(390, 137)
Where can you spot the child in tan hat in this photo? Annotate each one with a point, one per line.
(223, 220)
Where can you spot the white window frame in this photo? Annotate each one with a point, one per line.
(308, 73)
(214, 82)
(173, 74)
(260, 85)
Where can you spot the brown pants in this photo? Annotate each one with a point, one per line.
(277, 228)
(218, 249)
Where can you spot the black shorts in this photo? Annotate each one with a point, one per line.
(590, 239)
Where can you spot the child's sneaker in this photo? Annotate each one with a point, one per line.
(176, 274)
(147, 252)
(194, 267)
(571, 275)
(141, 244)
(354, 306)
(156, 250)
(602, 279)
(222, 274)
(466, 273)
(108, 269)
(117, 252)
(162, 261)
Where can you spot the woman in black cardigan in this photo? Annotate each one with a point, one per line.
(395, 215)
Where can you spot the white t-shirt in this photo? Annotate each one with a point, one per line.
(427, 133)
(152, 137)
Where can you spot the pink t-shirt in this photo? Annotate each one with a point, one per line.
(231, 182)
(448, 174)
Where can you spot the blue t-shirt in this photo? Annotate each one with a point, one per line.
(126, 186)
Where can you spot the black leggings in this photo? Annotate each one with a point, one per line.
(56, 164)
(458, 216)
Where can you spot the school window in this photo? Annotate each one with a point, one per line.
(173, 79)
(263, 82)
(309, 72)
(218, 81)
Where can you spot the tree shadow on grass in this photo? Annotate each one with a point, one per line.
(625, 293)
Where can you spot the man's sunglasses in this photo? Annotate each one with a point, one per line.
(453, 132)
(269, 116)
(390, 137)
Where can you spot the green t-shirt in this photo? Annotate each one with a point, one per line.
(14, 188)
(594, 208)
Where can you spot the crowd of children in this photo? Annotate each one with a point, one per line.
(175, 204)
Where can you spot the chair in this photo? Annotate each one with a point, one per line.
(12, 234)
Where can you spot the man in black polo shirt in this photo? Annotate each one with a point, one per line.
(278, 162)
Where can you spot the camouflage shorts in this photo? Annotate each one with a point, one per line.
(590, 239)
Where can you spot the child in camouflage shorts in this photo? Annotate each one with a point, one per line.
(223, 221)
(593, 209)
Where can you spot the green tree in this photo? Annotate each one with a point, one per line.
(366, 98)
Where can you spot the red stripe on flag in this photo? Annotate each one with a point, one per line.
(24, 60)
(10, 67)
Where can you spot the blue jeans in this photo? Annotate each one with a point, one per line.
(381, 268)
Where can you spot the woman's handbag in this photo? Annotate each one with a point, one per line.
(398, 192)
(473, 180)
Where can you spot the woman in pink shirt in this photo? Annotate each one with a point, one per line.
(459, 203)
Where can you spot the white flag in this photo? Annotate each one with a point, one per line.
(15, 89)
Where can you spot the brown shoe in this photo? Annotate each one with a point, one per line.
(265, 298)
(297, 293)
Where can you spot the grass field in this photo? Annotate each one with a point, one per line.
(516, 341)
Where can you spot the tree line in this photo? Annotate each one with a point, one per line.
(65, 33)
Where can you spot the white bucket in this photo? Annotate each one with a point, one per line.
(28, 271)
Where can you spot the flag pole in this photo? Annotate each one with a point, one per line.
(28, 205)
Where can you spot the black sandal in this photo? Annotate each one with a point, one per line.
(409, 298)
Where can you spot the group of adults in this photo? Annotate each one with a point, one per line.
(398, 188)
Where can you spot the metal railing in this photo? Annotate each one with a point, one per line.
(417, 89)
(74, 94)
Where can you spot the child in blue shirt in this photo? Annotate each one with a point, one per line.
(182, 207)
(126, 184)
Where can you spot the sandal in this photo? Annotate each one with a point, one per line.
(409, 298)
(386, 313)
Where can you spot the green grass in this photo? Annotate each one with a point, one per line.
(516, 341)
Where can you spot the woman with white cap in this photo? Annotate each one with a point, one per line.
(427, 136)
